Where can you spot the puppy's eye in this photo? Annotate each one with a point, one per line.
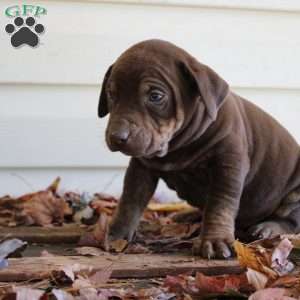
(156, 96)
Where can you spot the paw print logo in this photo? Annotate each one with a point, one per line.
(24, 33)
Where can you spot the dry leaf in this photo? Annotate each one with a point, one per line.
(99, 236)
(101, 231)
(180, 230)
(168, 207)
(24, 293)
(271, 294)
(89, 251)
(118, 245)
(221, 284)
(176, 284)
(136, 249)
(279, 259)
(256, 279)
(255, 257)
(62, 295)
(67, 274)
(9, 247)
(100, 277)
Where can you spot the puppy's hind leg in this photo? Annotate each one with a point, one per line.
(286, 219)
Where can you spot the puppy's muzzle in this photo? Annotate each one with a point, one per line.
(119, 137)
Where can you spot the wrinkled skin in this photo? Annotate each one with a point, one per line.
(180, 122)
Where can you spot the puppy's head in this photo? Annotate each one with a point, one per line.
(151, 92)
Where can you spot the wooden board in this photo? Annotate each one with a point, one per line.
(123, 266)
(69, 233)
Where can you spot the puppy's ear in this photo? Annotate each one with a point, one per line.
(211, 88)
(102, 106)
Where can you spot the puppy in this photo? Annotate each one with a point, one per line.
(179, 121)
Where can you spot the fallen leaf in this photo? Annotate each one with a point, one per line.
(256, 258)
(83, 215)
(101, 231)
(176, 284)
(24, 293)
(256, 279)
(100, 277)
(62, 295)
(180, 230)
(280, 263)
(168, 207)
(85, 288)
(221, 284)
(44, 208)
(89, 251)
(98, 237)
(271, 294)
(136, 249)
(10, 248)
(67, 274)
(118, 245)
(103, 203)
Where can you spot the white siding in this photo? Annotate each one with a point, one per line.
(48, 95)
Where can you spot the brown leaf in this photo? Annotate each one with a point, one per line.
(99, 236)
(89, 251)
(271, 294)
(44, 208)
(101, 231)
(118, 245)
(179, 230)
(103, 203)
(176, 284)
(100, 277)
(136, 249)
(39, 208)
(288, 281)
(221, 284)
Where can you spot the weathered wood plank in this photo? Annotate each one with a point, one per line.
(69, 233)
(123, 266)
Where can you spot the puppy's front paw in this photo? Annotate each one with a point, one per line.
(215, 247)
(270, 229)
(120, 232)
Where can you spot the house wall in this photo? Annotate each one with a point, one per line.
(49, 94)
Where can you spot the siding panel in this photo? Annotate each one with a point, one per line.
(48, 95)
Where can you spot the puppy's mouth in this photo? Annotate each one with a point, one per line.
(161, 152)
(136, 146)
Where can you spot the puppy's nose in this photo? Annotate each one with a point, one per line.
(120, 136)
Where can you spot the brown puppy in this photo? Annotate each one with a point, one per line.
(180, 122)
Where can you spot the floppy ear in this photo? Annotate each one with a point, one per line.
(102, 106)
(209, 85)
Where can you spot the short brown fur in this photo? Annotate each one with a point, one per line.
(220, 152)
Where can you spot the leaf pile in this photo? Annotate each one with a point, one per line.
(269, 273)
(40, 208)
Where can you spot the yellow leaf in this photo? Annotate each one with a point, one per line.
(168, 207)
(118, 245)
(254, 257)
